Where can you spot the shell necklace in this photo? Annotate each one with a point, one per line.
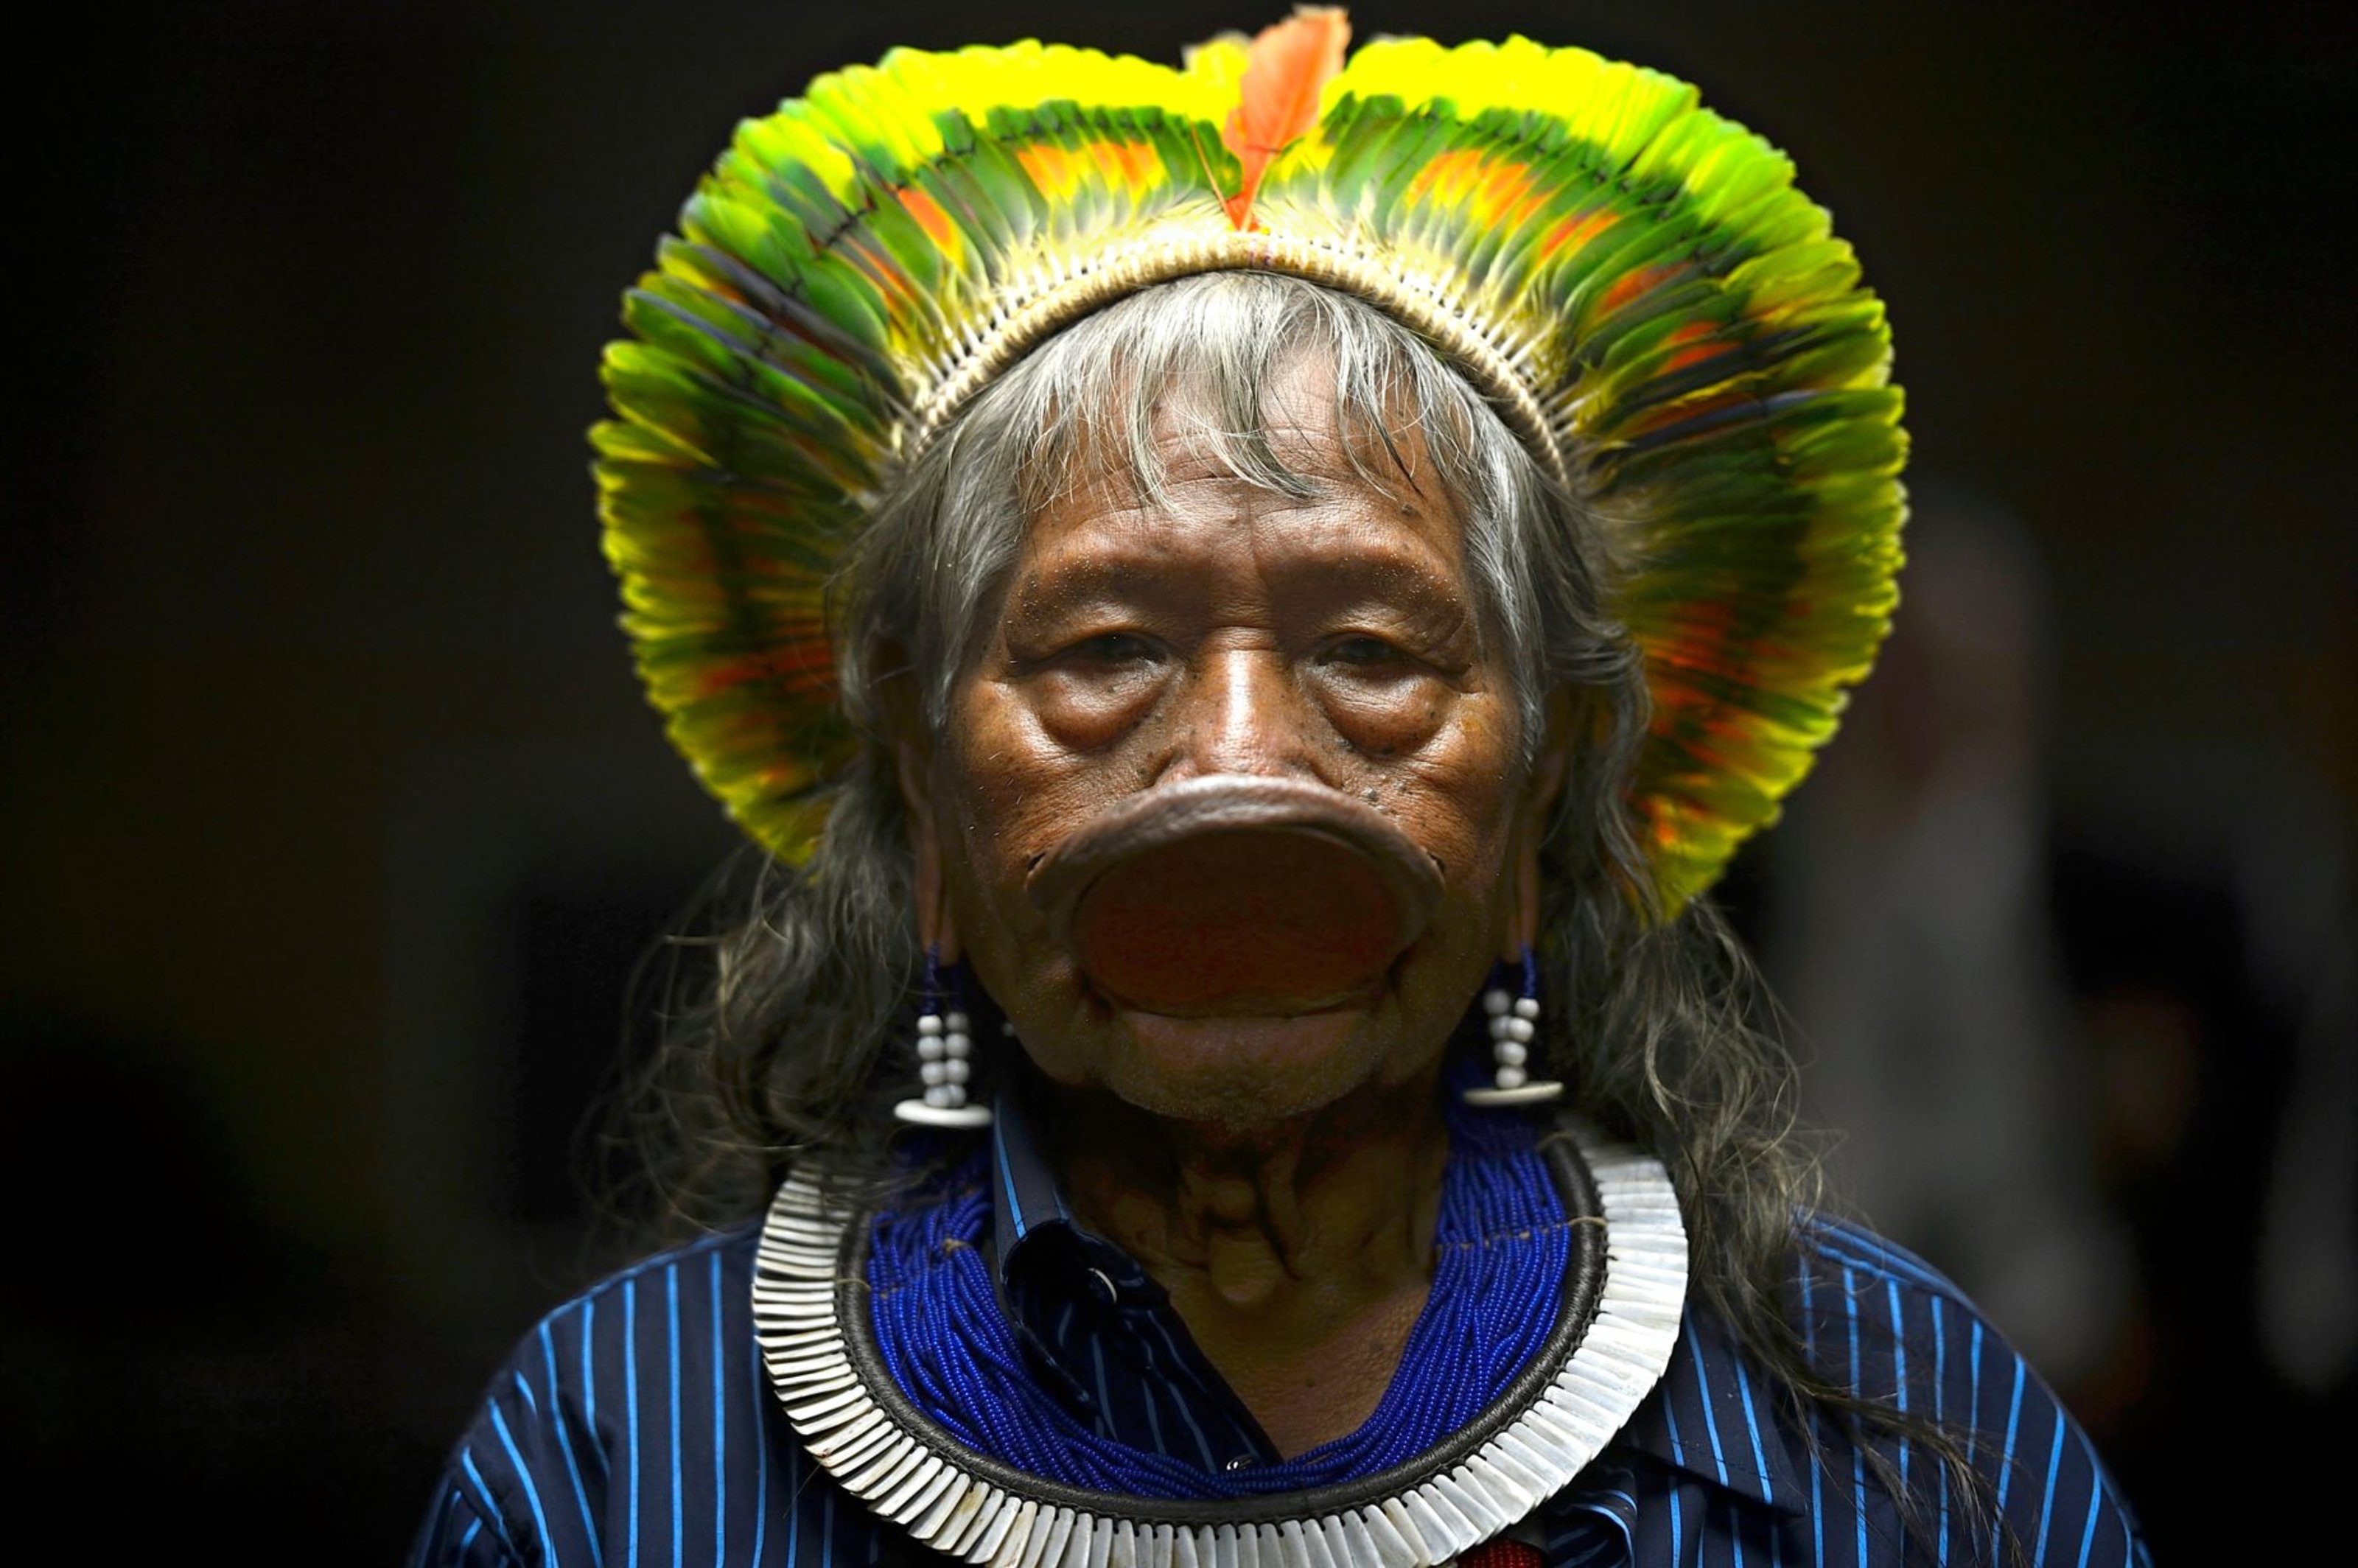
(1616, 1325)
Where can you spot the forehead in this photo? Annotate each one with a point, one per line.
(1331, 487)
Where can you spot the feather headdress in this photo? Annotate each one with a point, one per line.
(1633, 281)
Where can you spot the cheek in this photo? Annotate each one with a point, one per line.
(1457, 793)
(1013, 782)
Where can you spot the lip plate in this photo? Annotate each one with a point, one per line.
(1236, 895)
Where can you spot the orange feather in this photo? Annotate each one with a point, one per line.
(1285, 70)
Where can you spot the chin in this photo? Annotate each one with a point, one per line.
(1241, 1071)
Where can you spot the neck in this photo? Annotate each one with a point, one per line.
(1298, 1252)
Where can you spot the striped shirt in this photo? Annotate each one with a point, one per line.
(634, 1427)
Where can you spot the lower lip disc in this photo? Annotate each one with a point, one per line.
(1237, 895)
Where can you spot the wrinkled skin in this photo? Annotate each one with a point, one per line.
(1278, 1175)
(1235, 631)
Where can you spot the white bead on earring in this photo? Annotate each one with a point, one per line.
(1514, 1022)
(945, 1063)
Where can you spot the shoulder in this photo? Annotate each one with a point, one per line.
(590, 1365)
(1888, 1329)
(1884, 1326)
(1861, 1303)
(685, 1286)
(658, 1357)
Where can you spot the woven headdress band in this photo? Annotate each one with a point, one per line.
(1632, 281)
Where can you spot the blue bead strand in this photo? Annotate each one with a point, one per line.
(1501, 1246)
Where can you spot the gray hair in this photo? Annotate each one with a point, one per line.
(779, 1050)
(1204, 352)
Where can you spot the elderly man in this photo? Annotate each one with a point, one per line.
(1244, 605)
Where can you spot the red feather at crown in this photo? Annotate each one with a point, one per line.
(1288, 66)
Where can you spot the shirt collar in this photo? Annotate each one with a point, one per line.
(1048, 1264)
(1025, 1197)
(1034, 1232)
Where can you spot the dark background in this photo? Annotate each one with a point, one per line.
(332, 821)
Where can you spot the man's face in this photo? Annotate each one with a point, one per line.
(1228, 630)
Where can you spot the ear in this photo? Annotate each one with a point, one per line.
(912, 756)
(1542, 790)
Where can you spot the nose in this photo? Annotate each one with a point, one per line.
(1242, 712)
(1239, 882)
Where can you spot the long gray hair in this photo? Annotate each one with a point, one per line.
(787, 1046)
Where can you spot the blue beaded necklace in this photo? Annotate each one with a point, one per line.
(1501, 1246)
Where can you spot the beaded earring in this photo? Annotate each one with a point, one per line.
(1514, 1023)
(945, 1052)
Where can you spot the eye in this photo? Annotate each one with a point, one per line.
(1111, 648)
(1363, 651)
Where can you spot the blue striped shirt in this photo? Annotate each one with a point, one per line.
(635, 1426)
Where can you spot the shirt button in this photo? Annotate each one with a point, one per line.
(1241, 1461)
